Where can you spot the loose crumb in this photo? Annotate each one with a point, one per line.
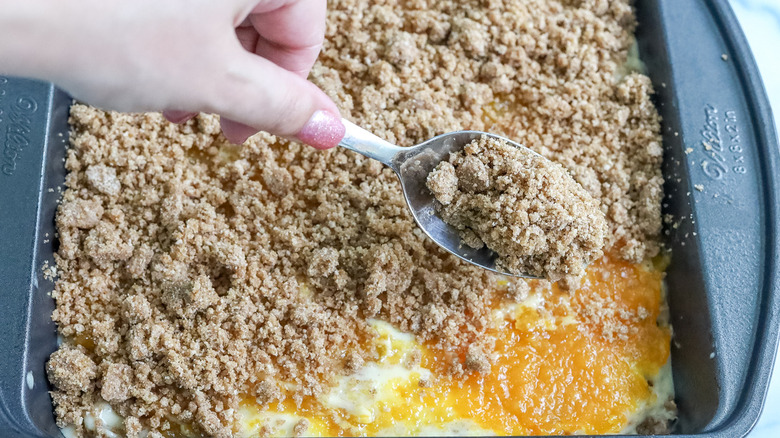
(49, 271)
(528, 210)
(116, 383)
(657, 426)
(81, 213)
(301, 427)
(71, 370)
(477, 360)
(103, 179)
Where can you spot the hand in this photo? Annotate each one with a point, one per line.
(246, 60)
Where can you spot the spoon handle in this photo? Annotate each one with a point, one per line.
(361, 141)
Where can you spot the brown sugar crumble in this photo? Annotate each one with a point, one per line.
(194, 273)
(528, 210)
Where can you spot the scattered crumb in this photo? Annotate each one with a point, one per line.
(71, 370)
(699, 187)
(657, 426)
(116, 383)
(724, 57)
(49, 271)
(353, 362)
(133, 428)
(301, 427)
(688, 150)
(477, 360)
(80, 213)
(103, 179)
(525, 208)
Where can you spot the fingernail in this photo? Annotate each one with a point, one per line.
(324, 130)
(237, 139)
(177, 116)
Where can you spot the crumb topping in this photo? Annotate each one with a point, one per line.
(528, 210)
(217, 272)
(71, 370)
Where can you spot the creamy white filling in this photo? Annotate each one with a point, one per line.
(453, 428)
(361, 394)
(633, 63)
(68, 432)
(252, 421)
(663, 390)
(111, 424)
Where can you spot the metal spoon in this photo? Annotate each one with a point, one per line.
(412, 165)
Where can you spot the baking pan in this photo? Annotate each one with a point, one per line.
(721, 169)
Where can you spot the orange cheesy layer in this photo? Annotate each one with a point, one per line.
(564, 363)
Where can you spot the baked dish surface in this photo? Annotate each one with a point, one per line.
(270, 289)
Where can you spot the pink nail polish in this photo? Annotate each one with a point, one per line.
(324, 130)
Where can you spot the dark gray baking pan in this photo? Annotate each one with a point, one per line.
(722, 171)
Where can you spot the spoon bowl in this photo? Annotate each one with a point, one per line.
(412, 165)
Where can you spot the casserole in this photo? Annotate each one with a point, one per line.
(719, 161)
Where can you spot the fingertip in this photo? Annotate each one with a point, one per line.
(261, 95)
(324, 130)
(178, 116)
(235, 132)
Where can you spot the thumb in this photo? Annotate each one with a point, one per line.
(256, 94)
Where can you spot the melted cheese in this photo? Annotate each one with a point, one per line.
(554, 370)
